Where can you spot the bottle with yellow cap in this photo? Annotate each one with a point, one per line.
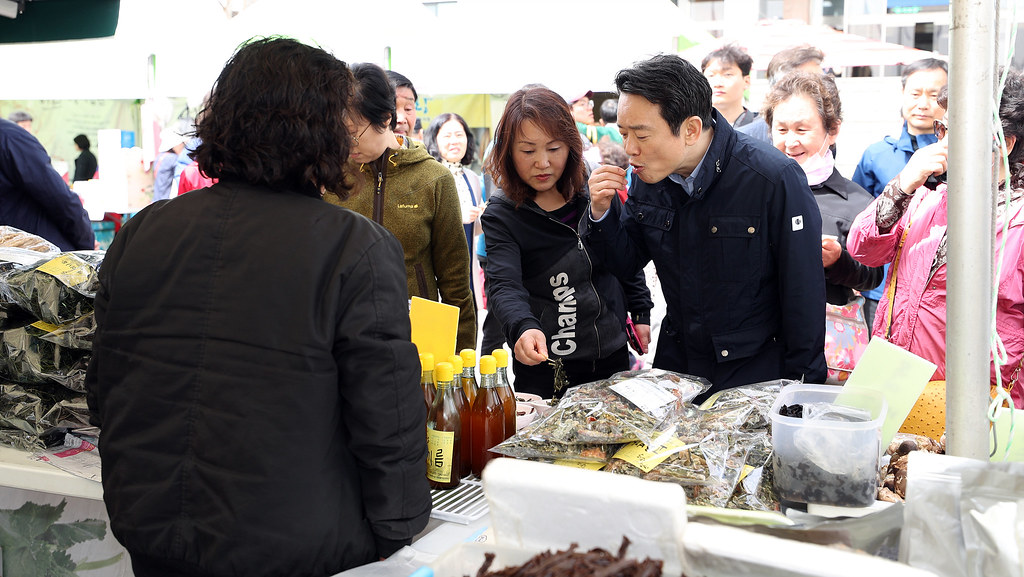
(469, 384)
(427, 378)
(487, 417)
(508, 396)
(444, 433)
(464, 407)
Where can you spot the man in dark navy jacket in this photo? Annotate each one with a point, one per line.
(34, 198)
(730, 224)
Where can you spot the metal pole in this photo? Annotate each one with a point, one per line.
(969, 232)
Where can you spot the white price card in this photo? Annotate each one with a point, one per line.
(647, 396)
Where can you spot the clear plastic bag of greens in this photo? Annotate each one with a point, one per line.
(628, 406)
(755, 490)
(708, 468)
(58, 289)
(522, 446)
(26, 358)
(27, 412)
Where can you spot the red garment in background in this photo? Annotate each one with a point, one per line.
(192, 179)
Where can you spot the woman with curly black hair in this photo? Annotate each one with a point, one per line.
(252, 371)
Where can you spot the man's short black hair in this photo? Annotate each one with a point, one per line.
(920, 66)
(610, 110)
(730, 54)
(82, 141)
(675, 85)
(399, 80)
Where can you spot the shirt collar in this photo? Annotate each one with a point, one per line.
(687, 181)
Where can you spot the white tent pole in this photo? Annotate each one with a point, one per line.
(969, 233)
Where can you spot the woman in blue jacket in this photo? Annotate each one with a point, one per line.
(552, 301)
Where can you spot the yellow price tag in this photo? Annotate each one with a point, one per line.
(637, 454)
(589, 465)
(44, 326)
(68, 269)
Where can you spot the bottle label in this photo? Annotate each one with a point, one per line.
(637, 453)
(440, 450)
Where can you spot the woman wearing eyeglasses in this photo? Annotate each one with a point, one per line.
(408, 192)
(906, 226)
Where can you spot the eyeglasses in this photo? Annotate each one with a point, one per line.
(940, 129)
(355, 139)
(583, 103)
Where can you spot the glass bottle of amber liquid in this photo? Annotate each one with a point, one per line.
(487, 417)
(427, 379)
(469, 384)
(464, 407)
(444, 433)
(508, 396)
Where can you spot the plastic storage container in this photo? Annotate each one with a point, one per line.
(828, 461)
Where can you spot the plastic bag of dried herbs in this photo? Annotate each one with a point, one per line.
(26, 358)
(752, 404)
(756, 488)
(628, 406)
(12, 259)
(59, 289)
(523, 445)
(27, 412)
(76, 334)
(708, 468)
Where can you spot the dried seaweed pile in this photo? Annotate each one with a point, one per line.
(571, 563)
(46, 330)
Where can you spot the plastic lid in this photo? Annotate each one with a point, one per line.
(487, 363)
(443, 372)
(427, 361)
(500, 357)
(468, 357)
(456, 362)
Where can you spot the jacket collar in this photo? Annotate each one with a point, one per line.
(906, 144)
(835, 183)
(716, 157)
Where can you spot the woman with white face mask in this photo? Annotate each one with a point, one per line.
(804, 112)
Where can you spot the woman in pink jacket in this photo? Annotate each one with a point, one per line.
(906, 225)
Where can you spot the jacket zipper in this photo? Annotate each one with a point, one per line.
(378, 199)
(590, 274)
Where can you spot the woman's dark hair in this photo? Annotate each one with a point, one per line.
(1011, 115)
(374, 97)
(551, 114)
(675, 85)
(430, 137)
(275, 117)
(819, 88)
(82, 141)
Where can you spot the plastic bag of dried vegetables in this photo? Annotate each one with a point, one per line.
(628, 406)
(26, 358)
(756, 488)
(27, 412)
(12, 259)
(17, 238)
(707, 467)
(525, 446)
(59, 289)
